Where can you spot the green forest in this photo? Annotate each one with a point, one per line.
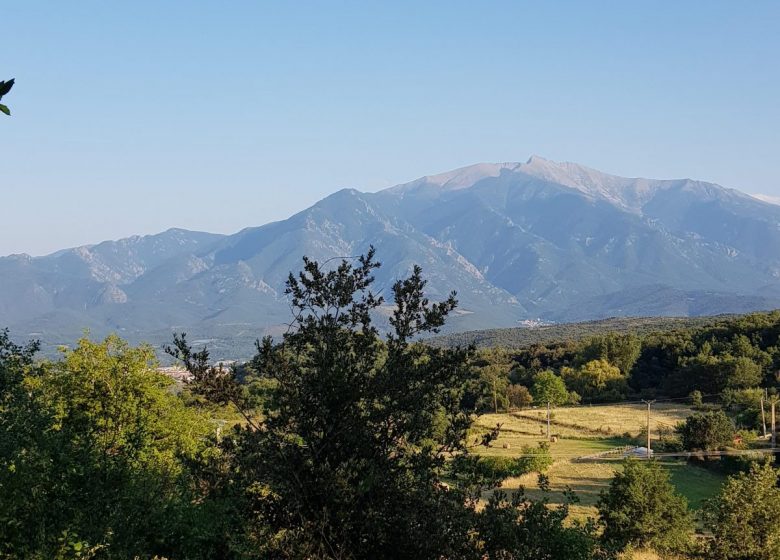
(340, 441)
(728, 359)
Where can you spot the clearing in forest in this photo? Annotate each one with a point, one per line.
(587, 430)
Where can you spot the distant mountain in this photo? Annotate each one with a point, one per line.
(555, 241)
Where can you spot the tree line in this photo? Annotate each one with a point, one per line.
(733, 362)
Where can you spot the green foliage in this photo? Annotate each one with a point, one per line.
(94, 446)
(521, 338)
(549, 388)
(621, 351)
(706, 431)
(350, 455)
(656, 357)
(497, 467)
(742, 398)
(642, 509)
(668, 441)
(536, 459)
(744, 517)
(518, 528)
(733, 464)
(744, 405)
(596, 380)
(518, 396)
(713, 374)
(531, 459)
(490, 388)
(5, 87)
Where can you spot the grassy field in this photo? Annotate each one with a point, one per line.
(583, 431)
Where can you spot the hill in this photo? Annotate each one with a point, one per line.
(521, 337)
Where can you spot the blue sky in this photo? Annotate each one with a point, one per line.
(133, 117)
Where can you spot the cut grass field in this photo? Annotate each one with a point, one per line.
(583, 431)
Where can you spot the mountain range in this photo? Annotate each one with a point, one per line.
(534, 241)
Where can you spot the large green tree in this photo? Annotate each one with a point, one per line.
(706, 431)
(549, 388)
(94, 451)
(349, 457)
(641, 508)
(597, 379)
(745, 517)
(490, 389)
(620, 350)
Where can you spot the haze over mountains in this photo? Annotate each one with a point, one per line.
(555, 241)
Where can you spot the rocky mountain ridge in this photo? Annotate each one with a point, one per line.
(518, 241)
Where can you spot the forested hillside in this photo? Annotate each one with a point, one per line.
(521, 337)
(648, 358)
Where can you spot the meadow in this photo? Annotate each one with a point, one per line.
(584, 431)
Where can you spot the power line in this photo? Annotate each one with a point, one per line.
(628, 403)
(671, 454)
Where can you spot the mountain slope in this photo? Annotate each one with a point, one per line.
(557, 241)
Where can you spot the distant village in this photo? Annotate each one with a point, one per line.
(181, 375)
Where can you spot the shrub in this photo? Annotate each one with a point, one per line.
(531, 459)
(706, 431)
(535, 459)
(744, 517)
(519, 396)
(641, 508)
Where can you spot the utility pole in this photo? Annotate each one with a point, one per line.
(648, 403)
(548, 420)
(763, 414)
(495, 398)
(773, 402)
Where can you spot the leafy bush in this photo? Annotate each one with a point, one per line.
(531, 459)
(744, 517)
(668, 442)
(519, 396)
(96, 451)
(641, 508)
(518, 528)
(735, 464)
(706, 431)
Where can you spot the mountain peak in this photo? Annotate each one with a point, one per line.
(629, 194)
(564, 173)
(572, 175)
(537, 160)
(457, 179)
(567, 173)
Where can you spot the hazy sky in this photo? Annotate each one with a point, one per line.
(133, 117)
